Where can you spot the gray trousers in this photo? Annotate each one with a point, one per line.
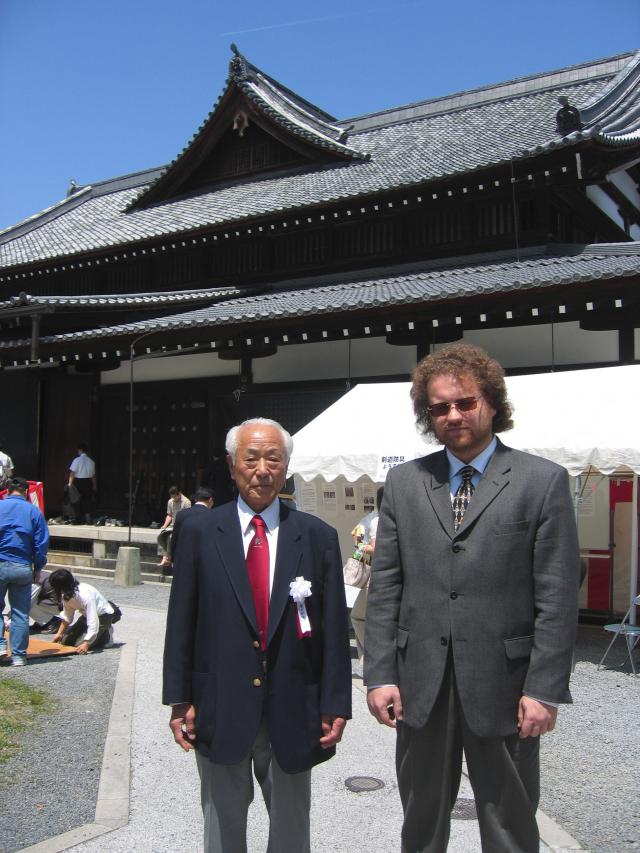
(226, 792)
(504, 773)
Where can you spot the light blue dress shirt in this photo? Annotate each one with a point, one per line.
(479, 464)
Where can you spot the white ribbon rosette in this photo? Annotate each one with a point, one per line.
(299, 589)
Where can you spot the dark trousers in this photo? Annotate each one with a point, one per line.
(504, 773)
(75, 631)
(83, 508)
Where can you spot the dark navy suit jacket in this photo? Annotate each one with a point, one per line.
(212, 655)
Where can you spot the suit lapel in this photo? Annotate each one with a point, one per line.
(493, 481)
(288, 559)
(231, 550)
(436, 481)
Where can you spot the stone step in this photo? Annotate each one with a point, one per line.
(107, 572)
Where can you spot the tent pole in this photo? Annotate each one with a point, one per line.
(577, 490)
(634, 552)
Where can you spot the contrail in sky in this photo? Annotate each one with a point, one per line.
(321, 20)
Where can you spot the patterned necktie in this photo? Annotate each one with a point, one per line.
(258, 570)
(462, 496)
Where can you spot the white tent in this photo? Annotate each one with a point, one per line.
(578, 418)
(585, 420)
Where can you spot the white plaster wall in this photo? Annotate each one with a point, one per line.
(299, 362)
(526, 346)
(173, 367)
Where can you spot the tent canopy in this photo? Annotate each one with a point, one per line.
(580, 419)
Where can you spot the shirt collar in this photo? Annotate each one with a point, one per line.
(270, 515)
(479, 463)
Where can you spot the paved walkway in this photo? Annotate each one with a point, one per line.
(149, 799)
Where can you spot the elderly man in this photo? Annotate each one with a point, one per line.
(472, 609)
(24, 540)
(257, 664)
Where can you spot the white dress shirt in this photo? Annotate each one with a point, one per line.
(92, 604)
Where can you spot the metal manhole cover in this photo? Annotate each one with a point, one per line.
(363, 784)
(464, 810)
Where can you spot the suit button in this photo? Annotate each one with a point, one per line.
(454, 595)
(443, 641)
(455, 548)
(256, 644)
(257, 682)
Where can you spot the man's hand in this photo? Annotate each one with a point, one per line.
(385, 705)
(535, 718)
(183, 725)
(332, 728)
(82, 649)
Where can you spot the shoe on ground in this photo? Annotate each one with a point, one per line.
(18, 661)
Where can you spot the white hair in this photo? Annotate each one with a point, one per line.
(231, 442)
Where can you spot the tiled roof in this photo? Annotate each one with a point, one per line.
(433, 282)
(288, 110)
(407, 147)
(134, 300)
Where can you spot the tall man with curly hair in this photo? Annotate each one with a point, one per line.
(472, 609)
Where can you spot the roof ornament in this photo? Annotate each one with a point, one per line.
(73, 187)
(240, 122)
(238, 67)
(568, 117)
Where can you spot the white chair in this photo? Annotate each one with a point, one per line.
(628, 631)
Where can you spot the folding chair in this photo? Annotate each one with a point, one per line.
(626, 630)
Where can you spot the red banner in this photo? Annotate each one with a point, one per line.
(35, 494)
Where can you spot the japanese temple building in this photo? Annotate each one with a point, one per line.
(286, 254)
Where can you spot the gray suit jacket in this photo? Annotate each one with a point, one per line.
(502, 592)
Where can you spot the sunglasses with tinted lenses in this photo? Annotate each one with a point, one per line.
(466, 404)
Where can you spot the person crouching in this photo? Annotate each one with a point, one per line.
(86, 617)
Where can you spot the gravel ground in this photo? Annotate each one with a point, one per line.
(51, 785)
(588, 763)
(57, 771)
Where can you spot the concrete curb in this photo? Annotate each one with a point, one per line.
(112, 807)
(552, 834)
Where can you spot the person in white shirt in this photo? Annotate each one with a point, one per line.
(86, 617)
(82, 475)
(176, 503)
(6, 469)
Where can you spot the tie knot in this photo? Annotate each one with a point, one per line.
(258, 523)
(467, 472)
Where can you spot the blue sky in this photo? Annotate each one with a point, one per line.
(92, 89)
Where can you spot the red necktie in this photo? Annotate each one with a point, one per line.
(258, 569)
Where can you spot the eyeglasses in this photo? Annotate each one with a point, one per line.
(466, 404)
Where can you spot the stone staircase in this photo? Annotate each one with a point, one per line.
(92, 551)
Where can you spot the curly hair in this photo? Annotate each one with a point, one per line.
(461, 360)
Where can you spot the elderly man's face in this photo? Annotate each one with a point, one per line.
(260, 467)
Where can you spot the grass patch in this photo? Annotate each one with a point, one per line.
(19, 707)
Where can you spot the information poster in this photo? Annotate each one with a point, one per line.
(385, 463)
(350, 498)
(329, 498)
(308, 498)
(368, 498)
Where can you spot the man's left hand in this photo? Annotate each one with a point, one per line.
(82, 649)
(332, 728)
(535, 718)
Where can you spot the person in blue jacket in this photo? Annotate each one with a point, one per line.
(24, 541)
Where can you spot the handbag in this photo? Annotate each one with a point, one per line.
(356, 573)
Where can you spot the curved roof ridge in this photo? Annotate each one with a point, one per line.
(605, 67)
(613, 94)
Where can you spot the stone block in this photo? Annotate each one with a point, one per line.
(127, 566)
